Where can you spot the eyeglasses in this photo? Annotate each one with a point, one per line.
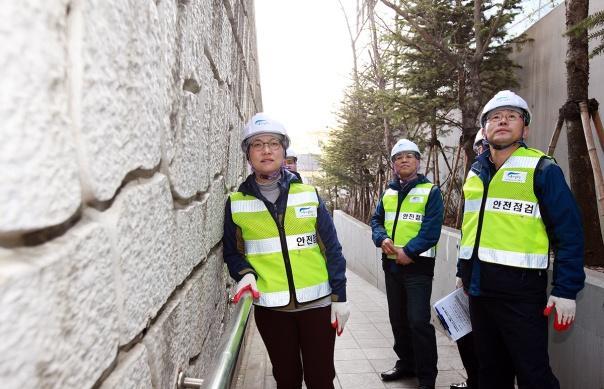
(291, 160)
(272, 144)
(499, 116)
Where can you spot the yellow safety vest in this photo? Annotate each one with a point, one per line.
(286, 258)
(512, 232)
(410, 215)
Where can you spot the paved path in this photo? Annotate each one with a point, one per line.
(362, 352)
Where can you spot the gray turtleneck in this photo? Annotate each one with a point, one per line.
(270, 190)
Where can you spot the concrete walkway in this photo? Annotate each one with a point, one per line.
(362, 352)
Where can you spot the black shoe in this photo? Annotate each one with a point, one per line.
(396, 373)
(461, 385)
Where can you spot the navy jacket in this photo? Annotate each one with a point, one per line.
(562, 220)
(233, 245)
(427, 237)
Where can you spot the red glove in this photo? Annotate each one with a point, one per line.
(566, 308)
(246, 285)
(340, 311)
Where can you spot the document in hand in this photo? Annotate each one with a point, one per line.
(454, 314)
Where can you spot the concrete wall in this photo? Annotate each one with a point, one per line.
(577, 355)
(543, 79)
(120, 129)
(363, 258)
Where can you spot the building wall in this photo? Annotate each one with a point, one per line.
(576, 355)
(119, 141)
(542, 79)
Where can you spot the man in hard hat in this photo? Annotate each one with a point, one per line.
(517, 208)
(291, 160)
(280, 244)
(479, 143)
(406, 225)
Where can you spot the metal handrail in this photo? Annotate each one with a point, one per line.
(221, 373)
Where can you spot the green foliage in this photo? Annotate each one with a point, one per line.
(428, 54)
(593, 23)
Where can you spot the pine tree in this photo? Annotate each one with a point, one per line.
(470, 38)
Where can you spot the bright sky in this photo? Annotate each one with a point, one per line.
(305, 63)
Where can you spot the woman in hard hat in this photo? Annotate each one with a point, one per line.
(280, 244)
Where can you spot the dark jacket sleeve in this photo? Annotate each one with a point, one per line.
(429, 233)
(562, 219)
(336, 264)
(233, 257)
(378, 232)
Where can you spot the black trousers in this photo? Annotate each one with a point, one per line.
(299, 343)
(511, 341)
(465, 345)
(414, 337)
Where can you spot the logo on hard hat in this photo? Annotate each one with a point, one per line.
(261, 122)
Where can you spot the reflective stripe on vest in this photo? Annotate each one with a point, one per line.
(410, 215)
(266, 254)
(512, 231)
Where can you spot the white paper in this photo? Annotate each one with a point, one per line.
(453, 311)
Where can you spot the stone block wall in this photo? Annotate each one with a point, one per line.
(120, 125)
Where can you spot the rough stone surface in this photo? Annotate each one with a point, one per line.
(58, 320)
(190, 324)
(39, 183)
(220, 42)
(215, 212)
(219, 130)
(204, 303)
(185, 154)
(168, 58)
(236, 165)
(188, 169)
(214, 312)
(191, 236)
(121, 123)
(164, 342)
(147, 251)
(123, 105)
(132, 371)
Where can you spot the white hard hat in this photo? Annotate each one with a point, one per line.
(291, 152)
(506, 99)
(261, 124)
(479, 137)
(404, 145)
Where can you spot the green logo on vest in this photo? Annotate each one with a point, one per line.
(416, 199)
(512, 176)
(302, 212)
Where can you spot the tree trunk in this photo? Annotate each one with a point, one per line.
(379, 74)
(470, 111)
(581, 173)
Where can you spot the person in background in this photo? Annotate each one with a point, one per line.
(517, 208)
(291, 160)
(465, 344)
(406, 225)
(280, 245)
